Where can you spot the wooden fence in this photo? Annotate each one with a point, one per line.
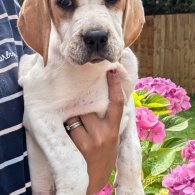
(166, 48)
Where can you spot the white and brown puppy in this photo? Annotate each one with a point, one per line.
(78, 42)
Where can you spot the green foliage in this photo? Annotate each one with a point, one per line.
(155, 102)
(155, 7)
(154, 189)
(158, 162)
(175, 123)
(20, 1)
(159, 159)
(190, 114)
(173, 143)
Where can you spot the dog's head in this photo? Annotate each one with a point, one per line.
(88, 30)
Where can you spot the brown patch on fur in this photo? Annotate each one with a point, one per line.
(118, 6)
(58, 14)
(35, 25)
(133, 18)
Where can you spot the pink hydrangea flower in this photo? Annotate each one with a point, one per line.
(188, 152)
(181, 181)
(148, 125)
(176, 95)
(157, 133)
(107, 190)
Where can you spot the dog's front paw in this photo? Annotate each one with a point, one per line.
(127, 191)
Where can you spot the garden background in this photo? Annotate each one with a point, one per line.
(166, 49)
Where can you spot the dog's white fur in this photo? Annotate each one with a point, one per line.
(64, 89)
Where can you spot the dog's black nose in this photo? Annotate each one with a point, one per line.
(96, 40)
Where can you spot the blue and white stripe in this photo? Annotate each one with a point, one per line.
(14, 172)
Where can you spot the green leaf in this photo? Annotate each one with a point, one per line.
(138, 96)
(150, 190)
(112, 177)
(148, 181)
(174, 143)
(155, 147)
(175, 123)
(137, 102)
(142, 94)
(163, 191)
(153, 189)
(158, 162)
(178, 160)
(166, 158)
(156, 101)
(144, 145)
(161, 111)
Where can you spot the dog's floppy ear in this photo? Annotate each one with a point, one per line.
(34, 24)
(133, 20)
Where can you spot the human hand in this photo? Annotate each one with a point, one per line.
(98, 138)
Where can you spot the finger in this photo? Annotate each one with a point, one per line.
(73, 120)
(116, 97)
(79, 134)
(91, 123)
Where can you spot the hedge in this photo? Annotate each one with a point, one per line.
(20, 1)
(155, 7)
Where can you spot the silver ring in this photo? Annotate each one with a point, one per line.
(74, 126)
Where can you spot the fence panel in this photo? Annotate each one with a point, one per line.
(166, 48)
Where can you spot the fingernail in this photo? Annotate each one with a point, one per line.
(113, 71)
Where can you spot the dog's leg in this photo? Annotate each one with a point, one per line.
(40, 173)
(129, 161)
(68, 165)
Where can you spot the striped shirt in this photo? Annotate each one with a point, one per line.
(14, 172)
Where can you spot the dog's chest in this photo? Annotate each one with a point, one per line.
(88, 93)
(70, 91)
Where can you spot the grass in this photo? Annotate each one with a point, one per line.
(190, 114)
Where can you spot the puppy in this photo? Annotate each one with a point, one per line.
(77, 42)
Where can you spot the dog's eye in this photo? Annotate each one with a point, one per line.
(65, 4)
(110, 2)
